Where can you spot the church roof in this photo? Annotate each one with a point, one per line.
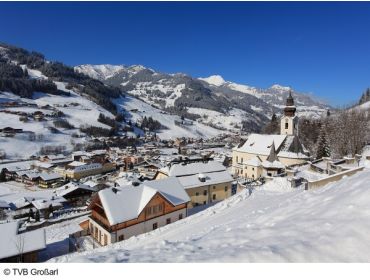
(261, 143)
(287, 146)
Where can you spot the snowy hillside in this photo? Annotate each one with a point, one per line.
(100, 72)
(69, 101)
(137, 110)
(273, 224)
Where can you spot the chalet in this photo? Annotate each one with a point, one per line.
(43, 179)
(248, 157)
(38, 115)
(43, 205)
(49, 158)
(12, 169)
(76, 194)
(50, 180)
(20, 247)
(121, 212)
(10, 132)
(205, 181)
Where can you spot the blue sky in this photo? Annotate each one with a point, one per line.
(321, 48)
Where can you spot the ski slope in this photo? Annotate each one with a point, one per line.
(273, 224)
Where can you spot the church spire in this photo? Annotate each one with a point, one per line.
(289, 109)
(272, 156)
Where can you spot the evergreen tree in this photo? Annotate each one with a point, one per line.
(323, 149)
(273, 126)
(365, 97)
(2, 176)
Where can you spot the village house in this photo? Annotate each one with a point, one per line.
(20, 247)
(205, 180)
(87, 164)
(253, 158)
(121, 212)
(50, 180)
(38, 116)
(10, 132)
(41, 179)
(76, 194)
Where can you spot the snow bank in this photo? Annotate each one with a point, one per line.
(330, 224)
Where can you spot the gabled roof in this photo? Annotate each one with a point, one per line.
(261, 143)
(50, 176)
(71, 187)
(181, 169)
(126, 203)
(193, 181)
(255, 161)
(10, 240)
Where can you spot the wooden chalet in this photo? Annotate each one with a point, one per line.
(121, 212)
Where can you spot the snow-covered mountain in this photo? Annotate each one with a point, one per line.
(273, 224)
(211, 100)
(100, 72)
(70, 101)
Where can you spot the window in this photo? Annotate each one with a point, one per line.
(286, 125)
(168, 221)
(226, 189)
(180, 216)
(205, 192)
(214, 187)
(155, 226)
(196, 194)
(154, 210)
(253, 168)
(204, 202)
(241, 171)
(121, 237)
(214, 196)
(196, 204)
(236, 159)
(241, 160)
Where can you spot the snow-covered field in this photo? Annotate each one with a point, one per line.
(231, 121)
(173, 131)
(273, 224)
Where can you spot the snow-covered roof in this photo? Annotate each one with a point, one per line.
(193, 181)
(76, 163)
(255, 161)
(180, 169)
(50, 176)
(261, 143)
(4, 204)
(126, 203)
(72, 186)
(274, 164)
(11, 241)
(45, 203)
(16, 166)
(43, 164)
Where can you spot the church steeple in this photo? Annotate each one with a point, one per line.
(272, 156)
(289, 109)
(289, 122)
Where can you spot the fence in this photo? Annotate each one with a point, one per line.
(332, 178)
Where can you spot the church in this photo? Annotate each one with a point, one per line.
(264, 155)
